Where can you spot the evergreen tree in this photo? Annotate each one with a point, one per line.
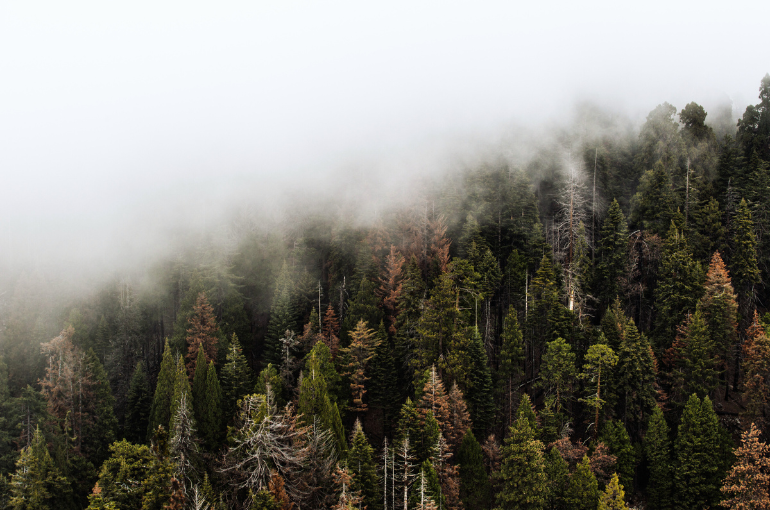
(181, 388)
(282, 316)
(615, 437)
(613, 497)
(362, 467)
(583, 490)
(746, 485)
(475, 489)
(693, 360)
(37, 484)
(236, 379)
(511, 359)
(459, 419)
(599, 359)
(654, 204)
(383, 383)
(201, 334)
(164, 390)
(314, 403)
(437, 326)
(359, 351)
(613, 258)
(139, 404)
(743, 262)
(558, 371)
(699, 459)
(657, 450)
(269, 376)
(198, 400)
(635, 378)
(522, 477)
(479, 392)
(756, 368)
(184, 453)
(557, 474)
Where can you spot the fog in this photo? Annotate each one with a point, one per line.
(125, 129)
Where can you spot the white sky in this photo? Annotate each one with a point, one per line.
(117, 117)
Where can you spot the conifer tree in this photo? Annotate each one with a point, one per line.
(615, 437)
(390, 287)
(183, 448)
(98, 426)
(282, 317)
(139, 404)
(384, 385)
(437, 325)
(459, 419)
(181, 388)
(236, 379)
(314, 403)
(360, 351)
(198, 400)
(743, 262)
(746, 485)
(613, 497)
(583, 490)
(756, 367)
(480, 389)
(546, 320)
(164, 390)
(654, 204)
(201, 334)
(613, 258)
(475, 489)
(522, 477)
(511, 359)
(557, 371)
(557, 474)
(269, 376)
(361, 465)
(635, 382)
(699, 462)
(693, 360)
(657, 450)
(599, 360)
(37, 484)
(210, 424)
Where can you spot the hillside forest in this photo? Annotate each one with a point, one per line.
(583, 330)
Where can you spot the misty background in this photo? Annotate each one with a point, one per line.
(130, 130)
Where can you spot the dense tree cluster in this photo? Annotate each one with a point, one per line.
(578, 333)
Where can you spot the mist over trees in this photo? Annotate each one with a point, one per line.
(585, 327)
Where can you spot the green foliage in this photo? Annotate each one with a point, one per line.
(181, 387)
(615, 437)
(598, 361)
(164, 391)
(139, 405)
(475, 489)
(37, 484)
(557, 474)
(282, 316)
(654, 204)
(613, 497)
(362, 466)
(613, 258)
(700, 459)
(269, 376)
(558, 371)
(314, 402)
(522, 475)
(479, 392)
(236, 379)
(583, 490)
(210, 422)
(657, 451)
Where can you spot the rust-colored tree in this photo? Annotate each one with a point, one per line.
(439, 243)
(459, 418)
(434, 398)
(202, 334)
(360, 351)
(756, 368)
(331, 329)
(276, 488)
(390, 287)
(746, 485)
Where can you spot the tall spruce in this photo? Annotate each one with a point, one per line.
(282, 316)
(139, 405)
(657, 451)
(164, 390)
(583, 490)
(475, 489)
(236, 379)
(362, 467)
(613, 258)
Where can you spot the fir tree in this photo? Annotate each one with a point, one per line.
(139, 404)
(612, 250)
(480, 388)
(361, 465)
(181, 387)
(459, 419)
(210, 423)
(657, 450)
(282, 316)
(511, 359)
(37, 484)
(269, 376)
(201, 334)
(743, 262)
(583, 490)
(746, 485)
(557, 474)
(613, 497)
(475, 490)
(236, 379)
(636, 371)
(198, 401)
(390, 287)
(164, 390)
(522, 477)
(693, 360)
(699, 461)
(359, 351)
(314, 403)
(558, 371)
(615, 437)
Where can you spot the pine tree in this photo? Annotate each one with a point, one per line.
(210, 423)
(743, 262)
(99, 424)
(756, 367)
(383, 384)
(360, 351)
(657, 450)
(635, 378)
(615, 437)
(282, 317)
(480, 389)
(201, 334)
(557, 474)
(434, 399)
(693, 360)
(522, 477)
(746, 485)
(361, 465)
(437, 325)
(613, 497)
(164, 390)
(139, 404)
(475, 490)
(698, 468)
(37, 484)
(583, 490)
(613, 258)
(269, 376)
(511, 359)
(314, 403)
(599, 359)
(557, 371)
(654, 204)
(236, 379)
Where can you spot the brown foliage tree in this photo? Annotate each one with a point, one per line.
(435, 399)
(331, 329)
(459, 418)
(360, 351)
(746, 485)
(202, 333)
(390, 287)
